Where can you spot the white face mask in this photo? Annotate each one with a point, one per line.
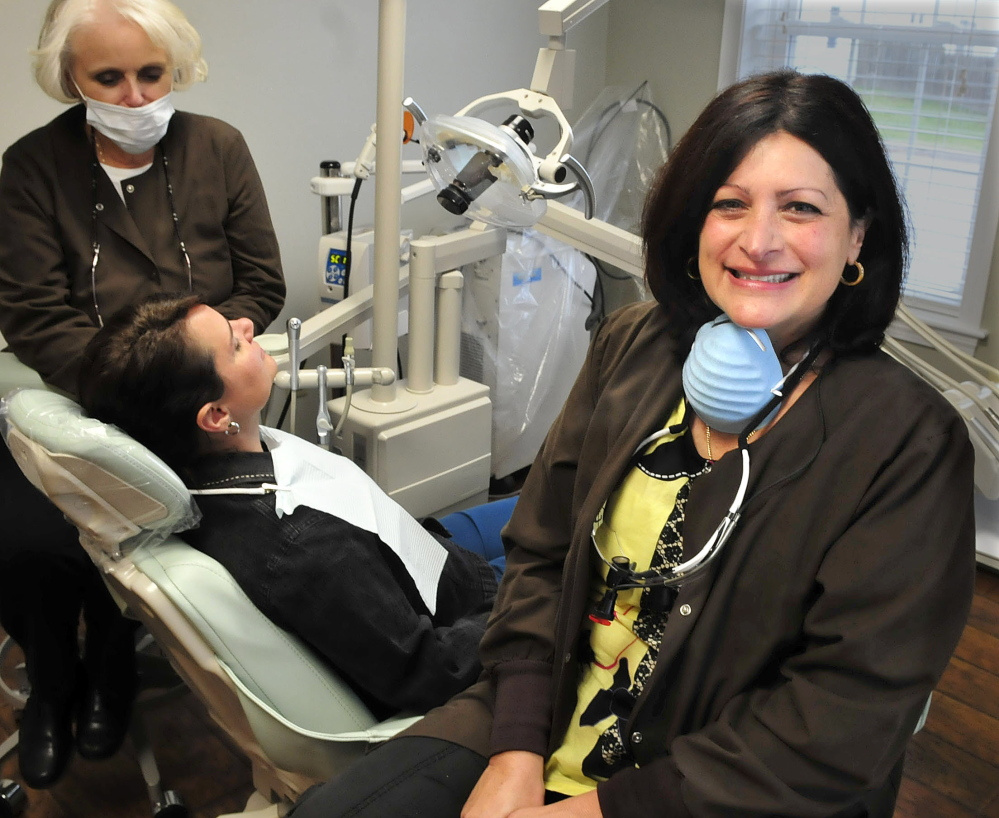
(134, 130)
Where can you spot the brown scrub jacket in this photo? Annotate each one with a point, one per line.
(47, 203)
(791, 675)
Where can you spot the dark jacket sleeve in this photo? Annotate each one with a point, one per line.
(258, 289)
(37, 317)
(348, 596)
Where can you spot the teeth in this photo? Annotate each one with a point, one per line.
(775, 279)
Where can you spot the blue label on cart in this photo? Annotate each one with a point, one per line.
(336, 268)
(519, 279)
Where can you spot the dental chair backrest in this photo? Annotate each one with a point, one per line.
(289, 711)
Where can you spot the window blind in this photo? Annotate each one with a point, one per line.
(927, 70)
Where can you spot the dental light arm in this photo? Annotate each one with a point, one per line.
(467, 157)
(554, 72)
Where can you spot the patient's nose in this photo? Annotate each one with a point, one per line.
(244, 328)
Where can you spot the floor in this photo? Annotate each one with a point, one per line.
(194, 759)
(952, 767)
(951, 771)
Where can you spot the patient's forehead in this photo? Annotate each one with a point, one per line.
(208, 328)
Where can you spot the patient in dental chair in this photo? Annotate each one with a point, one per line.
(395, 606)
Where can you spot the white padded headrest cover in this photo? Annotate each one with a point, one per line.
(114, 489)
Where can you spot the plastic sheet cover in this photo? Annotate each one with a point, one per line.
(525, 337)
(117, 493)
(621, 139)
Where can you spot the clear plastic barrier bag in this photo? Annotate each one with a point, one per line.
(525, 337)
(621, 139)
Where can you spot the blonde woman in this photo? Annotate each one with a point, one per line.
(117, 197)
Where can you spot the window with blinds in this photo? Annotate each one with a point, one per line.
(927, 70)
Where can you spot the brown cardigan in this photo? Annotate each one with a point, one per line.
(46, 203)
(792, 682)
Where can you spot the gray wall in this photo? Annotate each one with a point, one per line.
(298, 79)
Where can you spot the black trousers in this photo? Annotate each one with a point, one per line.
(416, 777)
(46, 582)
(408, 777)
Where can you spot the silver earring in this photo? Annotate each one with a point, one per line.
(233, 428)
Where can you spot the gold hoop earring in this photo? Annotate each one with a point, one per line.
(858, 279)
(692, 272)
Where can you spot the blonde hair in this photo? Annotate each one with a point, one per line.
(164, 24)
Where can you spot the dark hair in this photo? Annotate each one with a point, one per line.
(141, 373)
(829, 116)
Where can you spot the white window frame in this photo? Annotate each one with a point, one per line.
(960, 325)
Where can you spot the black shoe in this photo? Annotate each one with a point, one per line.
(45, 741)
(102, 721)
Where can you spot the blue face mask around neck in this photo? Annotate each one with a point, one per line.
(731, 374)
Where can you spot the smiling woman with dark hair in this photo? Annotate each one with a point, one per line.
(745, 551)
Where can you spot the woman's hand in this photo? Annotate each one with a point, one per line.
(512, 782)
(579, 806)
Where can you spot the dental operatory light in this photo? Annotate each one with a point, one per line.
(489, 172)
(461, 178)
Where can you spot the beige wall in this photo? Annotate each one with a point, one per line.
(676, 46)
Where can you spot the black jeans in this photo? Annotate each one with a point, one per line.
(416, 777)
(409, 777)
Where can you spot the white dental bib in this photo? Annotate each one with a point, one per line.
(309, 476)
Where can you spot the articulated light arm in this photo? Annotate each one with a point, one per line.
(554, 72)
(594, 237)
(556, 17)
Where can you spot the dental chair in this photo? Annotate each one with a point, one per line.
(288, 712)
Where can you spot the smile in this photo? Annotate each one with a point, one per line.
(773, 279)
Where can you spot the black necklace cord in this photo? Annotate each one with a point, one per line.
(96, 207)
(95, 245)
(176, 221)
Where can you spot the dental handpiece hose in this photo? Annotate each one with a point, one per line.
(294, 353)
(348, 371)
(323, 421)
